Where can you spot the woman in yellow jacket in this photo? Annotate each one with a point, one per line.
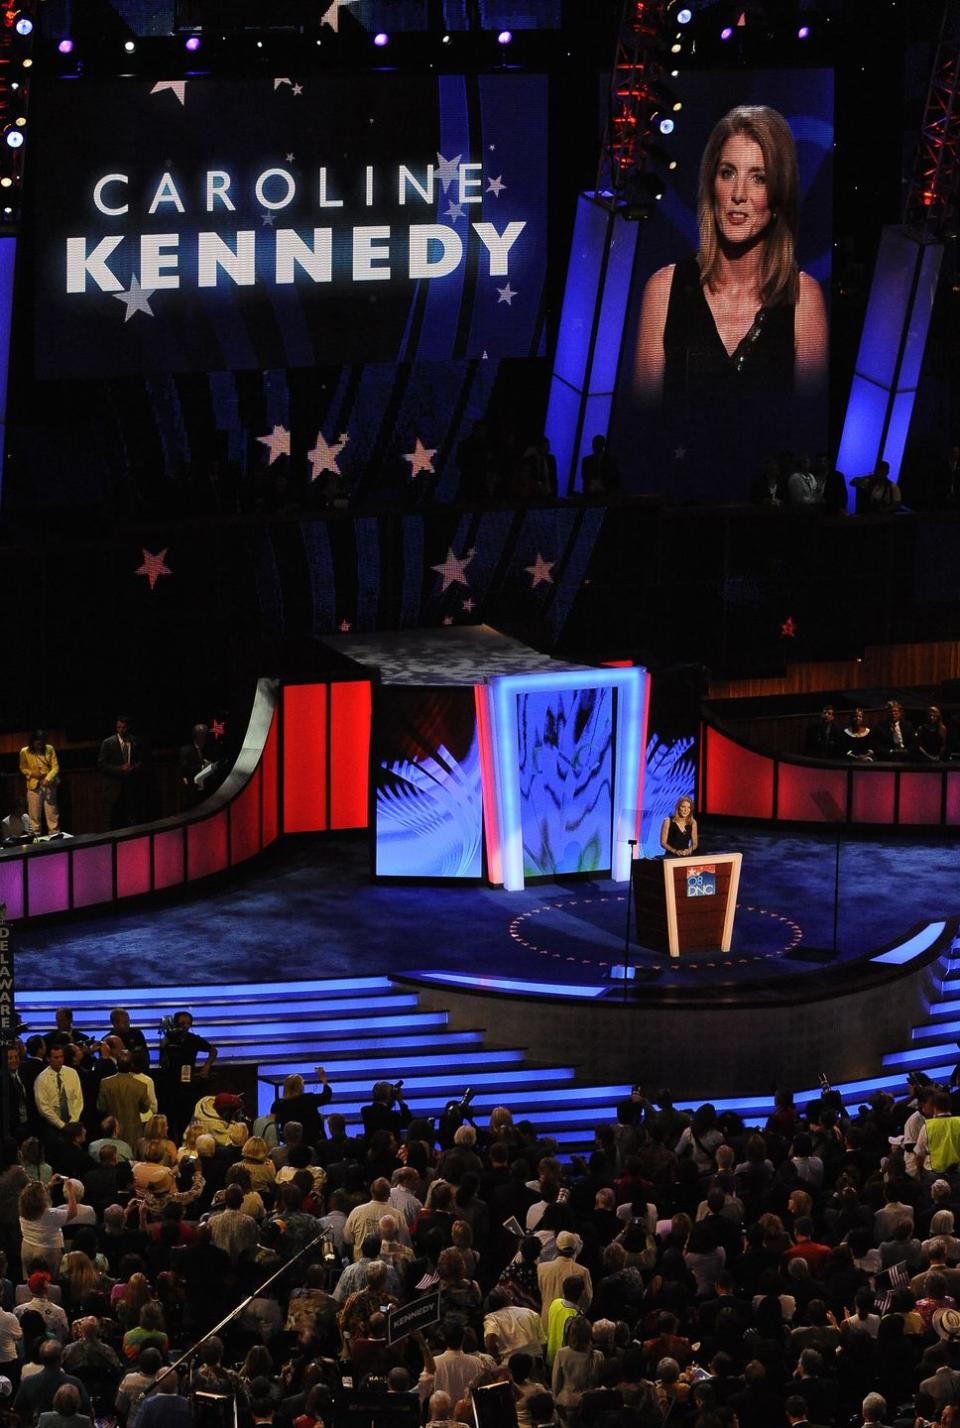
(38, 764)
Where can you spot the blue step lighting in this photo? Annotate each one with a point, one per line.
(183, 996)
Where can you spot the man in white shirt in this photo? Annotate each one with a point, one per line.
(453, 1371)
(512, 1329)
(57, 1092)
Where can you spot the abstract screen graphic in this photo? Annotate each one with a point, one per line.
(565, 740)
(202, 224)
(429, 809)
(564, 751)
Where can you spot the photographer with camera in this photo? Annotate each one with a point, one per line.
(380, 1113)
(179, 1048)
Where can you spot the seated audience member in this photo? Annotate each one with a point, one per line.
(930, 740)
(893, 735)
(877, 495)
(824, 737)
(857, 741)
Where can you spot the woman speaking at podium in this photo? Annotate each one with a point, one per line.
(678, 834)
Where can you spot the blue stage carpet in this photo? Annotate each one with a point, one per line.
(308, 909)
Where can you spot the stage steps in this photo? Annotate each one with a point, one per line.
(361, 1030)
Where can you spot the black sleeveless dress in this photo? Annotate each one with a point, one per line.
(678, 838)
(723, 411)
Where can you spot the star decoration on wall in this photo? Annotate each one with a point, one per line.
(448, 170)
(136, 299)
(455, 211)
(495, 186)
(153, 566)
(332, 15)
(289, 158)
(468, 606)
(266, 220)
(454, 571)
(217, 728)
(277, 443)
(298, 89)
(420, 458)
(176, 86)
(507, 295)
(324, 455)
(344, 627)
(540, 571)
(679, 452)
(788, 630)
(282, 80)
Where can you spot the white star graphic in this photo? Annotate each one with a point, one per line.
(289, 158)
(454, 571)
(332, 16)
(507, 295)
(298, 89)
(323, 457)
(277, 83)
(344, 626)
(540, 571)
(448, 170)
(278, 443)
(496, 186)
(469, 606)
(455, 211)
(420, 458)
(485, 356)
(177, 86)
(153, 566)
(137, 299)
(266, 220)
(679, 452)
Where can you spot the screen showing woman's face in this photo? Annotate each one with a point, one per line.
(740, 190)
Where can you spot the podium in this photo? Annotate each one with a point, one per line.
(686, 904)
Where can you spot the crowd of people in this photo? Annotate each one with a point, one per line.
(693, 1270)
(891, 738)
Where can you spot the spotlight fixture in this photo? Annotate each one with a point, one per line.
(129, 46)
(505, 37)
(667, 126)
(28, 63)
(6, 181)
(193, 44)
(13, 138)
(447, 39)
(380, 39)
(684, 16)
(24, 25)
(65, 47)
(804, 32)
(727, 32)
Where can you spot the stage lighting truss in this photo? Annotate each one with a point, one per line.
(639, 99)
(932, 197)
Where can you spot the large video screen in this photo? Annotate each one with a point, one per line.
(724, 363)
(565, 747)
(202, 225)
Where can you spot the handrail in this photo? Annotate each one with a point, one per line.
(189, 1353)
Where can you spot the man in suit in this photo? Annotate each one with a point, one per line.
(120, 762)
(194, 757)
(36, 1392)
(598, 471)
(894, 734)
(874, 1410)
(796, 1411)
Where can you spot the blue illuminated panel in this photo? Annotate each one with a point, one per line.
(566, 786)
(511, 986)
(913, 947)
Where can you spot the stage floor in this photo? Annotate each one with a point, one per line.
(308, 909)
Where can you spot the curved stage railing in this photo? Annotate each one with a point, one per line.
(737, 781)
(302, 769)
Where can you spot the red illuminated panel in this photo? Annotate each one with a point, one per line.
(817, 795)
(168, 859)
(207, 846)
(739, 782)
(953, 799)
(304, 771)
(920, 798)
(133, 867)
(873, 797)
(245, 822)
(47, 884)
(350, 705)
(11, 886)
(92, 875)
(271, 786)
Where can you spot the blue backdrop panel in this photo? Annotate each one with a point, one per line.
(565, 745)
